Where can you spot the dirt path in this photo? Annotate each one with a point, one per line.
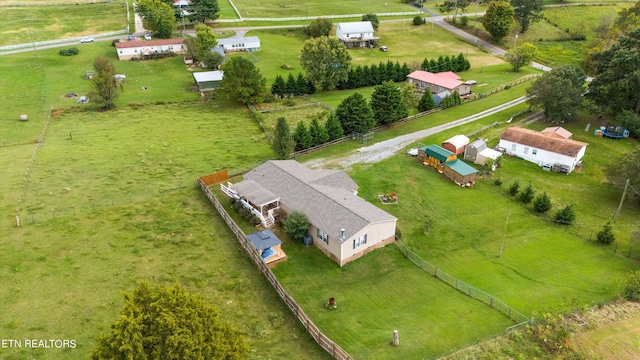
(385, 149)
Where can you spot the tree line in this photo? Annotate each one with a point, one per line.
(446, 63)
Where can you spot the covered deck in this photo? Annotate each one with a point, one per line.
(262, 202)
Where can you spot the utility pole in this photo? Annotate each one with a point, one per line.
(504, 235)
(624, 194)
(31, 36)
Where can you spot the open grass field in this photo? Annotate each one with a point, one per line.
(289, 8)
(60, 21)
(112, 201)
(401, 39)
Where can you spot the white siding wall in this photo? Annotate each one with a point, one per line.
(376, 233)
(542, 157)
(128, 53)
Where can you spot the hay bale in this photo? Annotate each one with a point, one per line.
(23, 117)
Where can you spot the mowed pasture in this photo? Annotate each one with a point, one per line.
(289, 8)
(60, 21)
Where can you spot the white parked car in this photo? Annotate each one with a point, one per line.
(470, 82)
(412, 152)
(147, 37)
(86, 39)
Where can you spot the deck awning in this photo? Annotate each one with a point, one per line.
(255, 193)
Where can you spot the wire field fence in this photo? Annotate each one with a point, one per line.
(463, 287)
(324, 341)
(394, 124)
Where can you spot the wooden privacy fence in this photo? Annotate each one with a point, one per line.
(463, 287)
(324, 341)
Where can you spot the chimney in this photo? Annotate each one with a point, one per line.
(342, 234)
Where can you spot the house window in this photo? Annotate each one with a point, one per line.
(526, 150)
(360, 241)
(513, 147)
(439, 89)
(534, 151)
(323, 236)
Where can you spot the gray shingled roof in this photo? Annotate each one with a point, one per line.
(255, 193)
(325, 196)
(264, 239)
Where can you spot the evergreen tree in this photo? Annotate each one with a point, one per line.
(398, 73)
(566, 215)
(283, 143)
(526, 196)
(302, 137)
(433, 66)
(169, 323)
(514, 188)
(405, 71)
(542, 203)
(387, 104)
(311, 87)
(441, 64)
(460, 63)
(333, 127)
(606, 236)
(358, 78)
(355, 114)
(425, 65)
(426, 101)
(301, 85)
(467, 65)
(278, 87)
(375, 74)
(447, 63)
(391, 71)
(367, 79)
(318, 133)
(292, 85)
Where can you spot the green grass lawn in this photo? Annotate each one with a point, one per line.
(289, 8)
(60, 21)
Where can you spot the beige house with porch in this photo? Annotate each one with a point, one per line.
(342, 225)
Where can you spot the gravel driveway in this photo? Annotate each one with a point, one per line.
(385, 149)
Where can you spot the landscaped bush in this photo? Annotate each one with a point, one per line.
(418, 20)
(296, 226)
(69, 52)
(246, 214)
(514, 188)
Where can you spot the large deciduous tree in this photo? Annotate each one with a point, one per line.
(410, 95)
(498, 20)
(521, 56)
(283, 143)
(169, 323)
(616, 83)
(454, 5)
(355, 114)
(203, 10)
(158, 17)
(559, 93)
(326, 61)
(373, 18)
(105, 83)
(527, 12)
(387, 104)
(319, 27)
(243, 81)
(205, 41)
(625, 167)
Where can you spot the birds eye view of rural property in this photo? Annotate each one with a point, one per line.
(381, 179)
